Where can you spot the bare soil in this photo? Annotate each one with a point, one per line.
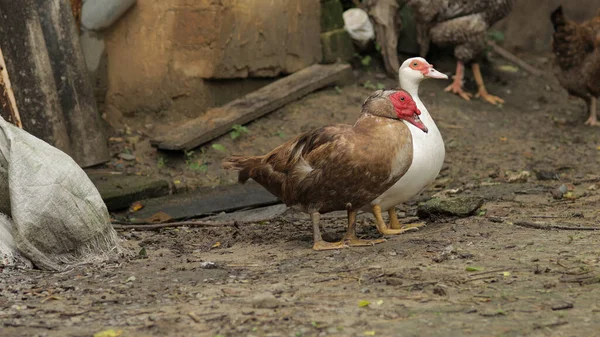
(485, 275)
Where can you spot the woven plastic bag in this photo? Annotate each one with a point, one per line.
(51, 215)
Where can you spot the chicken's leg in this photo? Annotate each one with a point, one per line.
(319, 244)
(350, 238)
(592, 120)
(456, 86)
(382, 227)
(482, 92)
(395, 224)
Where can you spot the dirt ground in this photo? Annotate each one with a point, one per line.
(485, 275)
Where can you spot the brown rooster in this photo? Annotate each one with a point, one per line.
(577, 63)
(462, 24)
(340, 167)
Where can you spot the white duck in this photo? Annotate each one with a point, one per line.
(428, 152)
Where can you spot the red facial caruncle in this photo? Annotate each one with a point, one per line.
(421, 66)
(406, 109)
(426, 69)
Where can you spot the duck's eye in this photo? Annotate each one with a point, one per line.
(402, 98)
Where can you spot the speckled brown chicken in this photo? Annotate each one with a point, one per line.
(577, 58)
(340, 167)
(462, 24)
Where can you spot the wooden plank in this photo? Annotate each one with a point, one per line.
(218, 121)
(208, 201)
(119, 191)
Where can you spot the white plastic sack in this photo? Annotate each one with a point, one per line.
(50, 212)
(358, 26)
(100, 14)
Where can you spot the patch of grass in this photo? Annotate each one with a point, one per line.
(237, 130)
(194, 164)
(280, 134)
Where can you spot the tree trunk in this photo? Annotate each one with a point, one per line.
(47, 70)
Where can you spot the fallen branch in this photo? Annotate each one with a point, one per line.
(149, 226)
(514, 59)
(7, 96)
(480, 278)
(545, 226)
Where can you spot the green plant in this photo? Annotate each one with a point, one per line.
(366, 60)
(280, 134)
(162, 162)
(369, 85)
(219, 147)
(238, 130)
(495, 35)
(197, 165)
(380, 86)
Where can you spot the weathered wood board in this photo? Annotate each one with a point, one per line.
(218, 121)
(208, 201)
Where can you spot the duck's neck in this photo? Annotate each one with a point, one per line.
(411, 86)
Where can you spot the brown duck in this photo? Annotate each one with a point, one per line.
(340, 167)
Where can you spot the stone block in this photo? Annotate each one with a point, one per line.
(336, 45)
(331, 15)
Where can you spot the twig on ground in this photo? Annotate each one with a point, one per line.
(489, 272)
(514, 59)
(545, 226)
(155, 226)
(480, 278)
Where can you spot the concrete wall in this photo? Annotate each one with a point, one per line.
(528, 27)
(165, 49)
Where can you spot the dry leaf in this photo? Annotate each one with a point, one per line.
(362, 304)
(217, 244)
(159, 217)
(507, 68)
(136, 206)
(109, 333)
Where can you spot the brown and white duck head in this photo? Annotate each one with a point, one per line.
(394, 104)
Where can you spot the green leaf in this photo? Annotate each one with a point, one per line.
(496, 35)
(471, 268)
(380, 86)
(219, 147)
(363, 303)
(338, 90)
(143, 252)
(366, 60)
(234, 134)
(369, 85)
